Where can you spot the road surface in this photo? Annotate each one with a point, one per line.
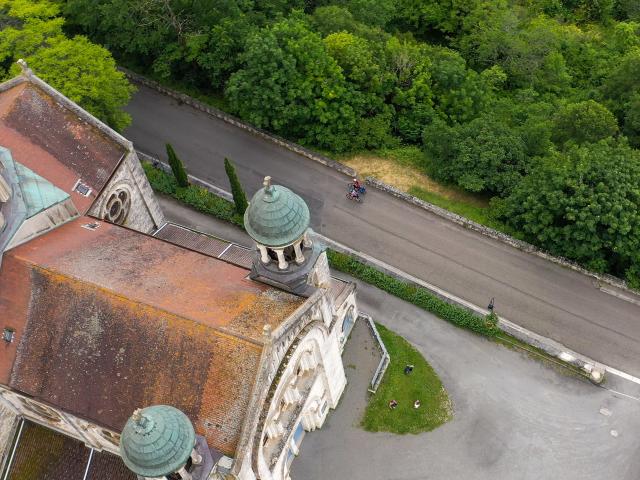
(514, 417)
(546, 298)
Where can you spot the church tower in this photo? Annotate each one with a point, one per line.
(286, 253)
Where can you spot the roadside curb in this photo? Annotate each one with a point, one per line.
(217, 113)
(496, 235)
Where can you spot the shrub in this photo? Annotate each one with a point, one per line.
(177, 167)
(239, 197)
(418, 296)
(197, 197)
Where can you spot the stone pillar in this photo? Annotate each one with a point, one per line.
(306, 240)
(264, 254)
(184, 474)
(196, 458)
(299, 255)
(282, 263)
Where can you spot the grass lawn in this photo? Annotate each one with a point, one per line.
(404, 168)
(422, 384)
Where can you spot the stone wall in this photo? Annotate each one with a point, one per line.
(8, 423)
(145, 214)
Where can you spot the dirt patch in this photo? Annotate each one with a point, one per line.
(405, 177)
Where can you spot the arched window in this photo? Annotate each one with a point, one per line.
(347, 323)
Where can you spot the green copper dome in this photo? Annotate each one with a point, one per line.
(276, 216)
(157, 441)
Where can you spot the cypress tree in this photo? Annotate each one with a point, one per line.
(239, 197)
(177, 167)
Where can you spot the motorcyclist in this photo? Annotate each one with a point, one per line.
(356, 185)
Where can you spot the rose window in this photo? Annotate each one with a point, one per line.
(117, 208)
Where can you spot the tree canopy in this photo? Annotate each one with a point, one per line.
(583, 204)
(81, 70)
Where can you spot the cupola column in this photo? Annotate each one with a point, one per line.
(184, 474)
(299, 255)
(196, 458)
(306, 240)
(282, 263)
(264, 254)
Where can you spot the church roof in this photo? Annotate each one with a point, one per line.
(54, 138)
(109, 320)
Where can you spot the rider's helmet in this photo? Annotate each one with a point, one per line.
(355, 179)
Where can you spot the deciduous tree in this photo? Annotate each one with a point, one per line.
(583, 204)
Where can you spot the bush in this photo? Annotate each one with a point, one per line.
(177, 167)
(418, 296)
(197, 197)
(239, 197)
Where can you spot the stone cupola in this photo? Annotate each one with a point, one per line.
(278, 221)
(159, 442)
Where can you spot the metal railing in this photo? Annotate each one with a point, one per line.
(384, 361)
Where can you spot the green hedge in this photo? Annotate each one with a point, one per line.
(197, 197)
(418, 296)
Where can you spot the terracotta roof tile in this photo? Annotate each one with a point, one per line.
(55, 143)
(117, 320)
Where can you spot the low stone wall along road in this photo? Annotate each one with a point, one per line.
(546, 298)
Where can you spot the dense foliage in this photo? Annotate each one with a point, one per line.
(239, 197)
(177, 167)
(497, 92)
(197, 197)
(568, 206)
(83, 71)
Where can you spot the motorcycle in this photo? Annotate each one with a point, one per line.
(362, 190)
(355, 198)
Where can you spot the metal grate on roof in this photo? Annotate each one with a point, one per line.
(205, 244)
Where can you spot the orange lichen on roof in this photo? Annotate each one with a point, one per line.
(15, 292)
(111, 320)
(55, 142)
(151, 272)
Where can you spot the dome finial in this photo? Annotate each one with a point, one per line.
(139, 418)
(267, 184)
(137, 415)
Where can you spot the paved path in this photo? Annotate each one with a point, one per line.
(514, 417)
(541, 296)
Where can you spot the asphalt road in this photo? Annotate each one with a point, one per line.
(541, 296)
(514, 417)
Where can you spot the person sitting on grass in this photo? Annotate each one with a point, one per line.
(416, 404)
(393, 404)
